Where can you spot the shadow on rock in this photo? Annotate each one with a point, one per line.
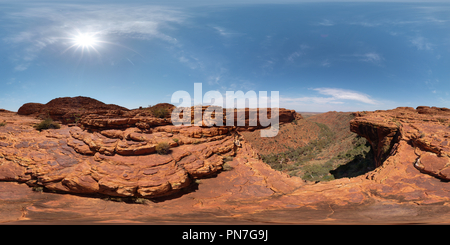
(189, 189)
(360, 165)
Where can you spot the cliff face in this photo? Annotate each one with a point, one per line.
(426, 129)
(381, 133)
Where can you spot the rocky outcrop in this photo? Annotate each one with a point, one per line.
(113, 151)
(432, 110)
(424, 128)
(246, 119)
(94, 115)
(145, 120)
(381, 132)
(69, 109)
(112, 162)
(30, 108)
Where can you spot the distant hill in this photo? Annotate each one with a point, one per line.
(307, 114)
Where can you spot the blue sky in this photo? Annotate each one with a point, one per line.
(321, 56)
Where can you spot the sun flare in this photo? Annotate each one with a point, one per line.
(85, 40)
(86, 43)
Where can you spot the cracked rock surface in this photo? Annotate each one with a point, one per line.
(76, 161)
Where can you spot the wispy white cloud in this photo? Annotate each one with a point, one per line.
(308, 99)
(334, 96)
(130, 61)
(396, 22)
(437, 21)
(238, 84)
(224, 32)
(267, 42)
(421, 18)
(393, 33)
(371, 57)
(268, 65)
(326, 22)
(326, 63)
(221, 31)
(299, 52)
(432, 84)
(214, 80)
(216, 76)
(294, 55)
(343, 94)
(138, 22)
(421, 43)
(21, 67)
(366, 23)
(190, 60)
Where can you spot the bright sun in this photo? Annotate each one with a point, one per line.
(85, 40)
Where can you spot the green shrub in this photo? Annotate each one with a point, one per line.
(318, 172)
(175, 140)
(47, 124)
(350, 163)
(302, 154)
(77, 117)
(2, 124)
(139, 200)
(160, 112)
(162, 148)
(357, 162)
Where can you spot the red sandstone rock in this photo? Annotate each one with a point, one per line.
(426, 129)
(30, 108)
(406, 187)
(250, 118)
(115, 152)
(111, 161)
(69, 110)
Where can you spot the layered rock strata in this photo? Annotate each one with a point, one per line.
(112, 150)
(111, 162)
(426, 129)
